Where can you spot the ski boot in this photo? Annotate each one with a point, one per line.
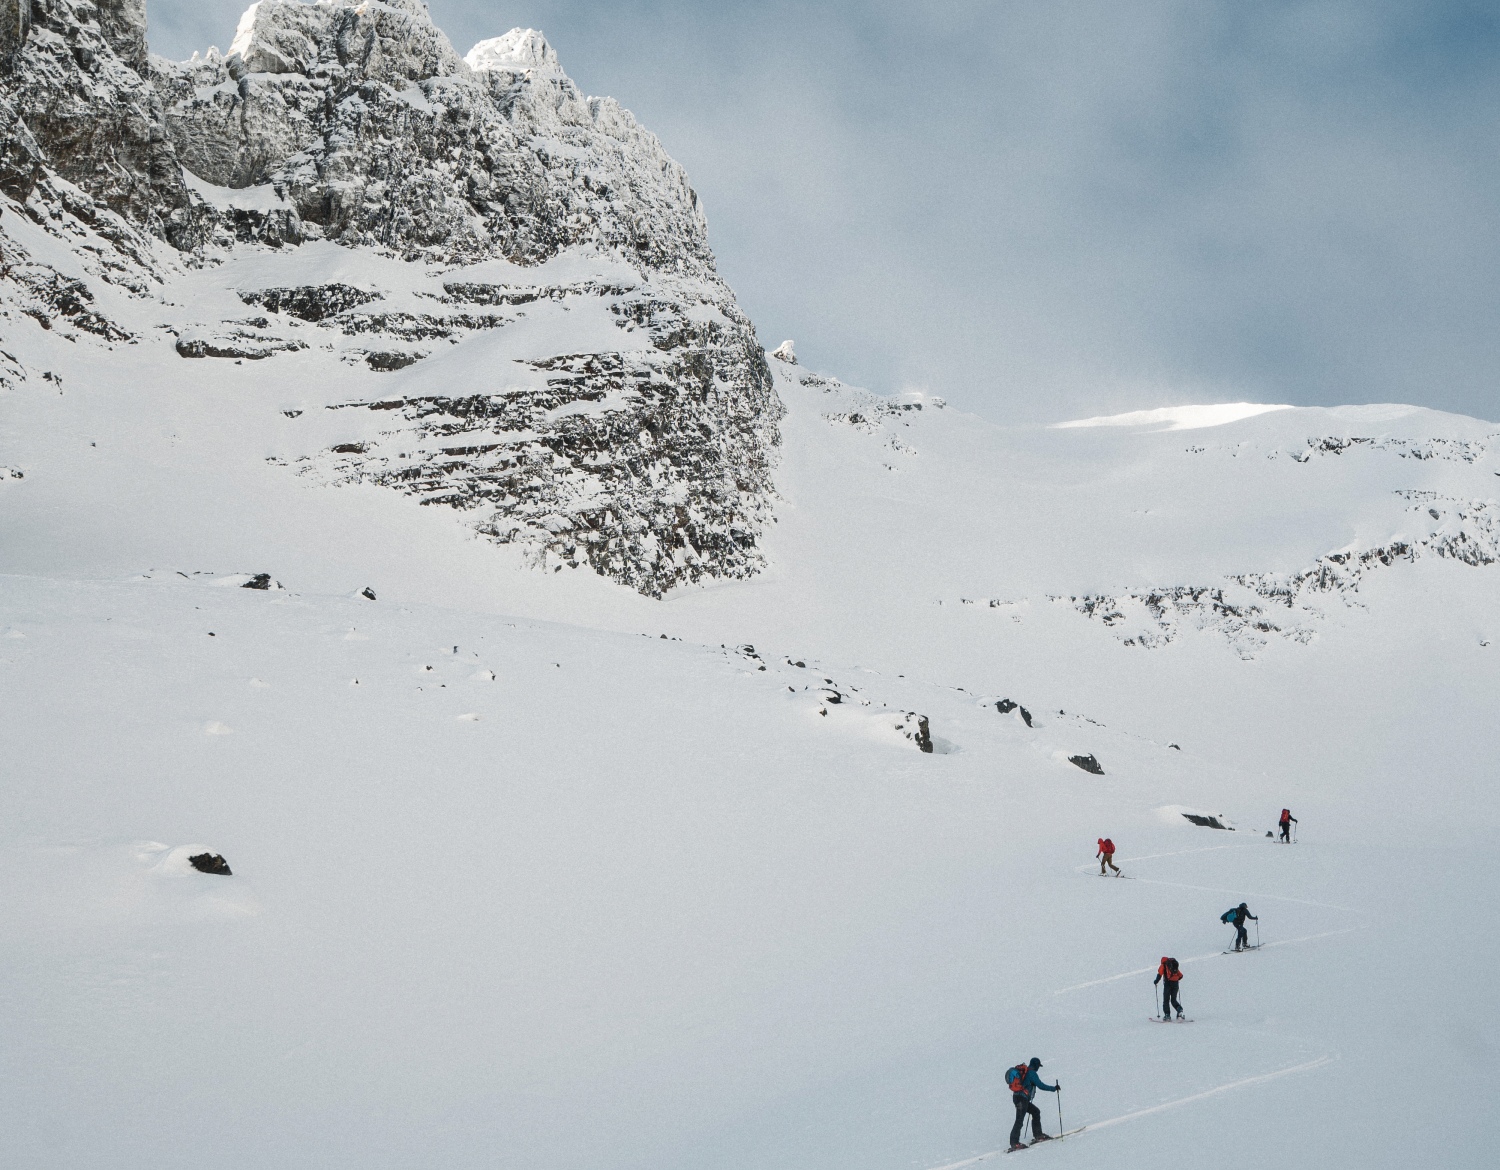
(1039, 1139)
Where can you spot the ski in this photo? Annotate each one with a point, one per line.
(1159, 1020)
(1044, 1141)
(1256, 947)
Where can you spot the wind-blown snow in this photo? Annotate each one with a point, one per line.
(1178, 418)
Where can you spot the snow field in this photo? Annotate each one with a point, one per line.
(648, 909)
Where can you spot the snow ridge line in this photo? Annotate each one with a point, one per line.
(1286, 942)
(1308, 1066)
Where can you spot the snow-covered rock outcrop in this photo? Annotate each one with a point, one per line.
(636, 436)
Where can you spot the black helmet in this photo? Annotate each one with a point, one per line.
(1036, 1062)
(1242, 906)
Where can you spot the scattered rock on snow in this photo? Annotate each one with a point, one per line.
(1006, 706)
(309, 302)
(260, 581)
(1088, 764)
(915, 728)
(1207, 822)
(210, 863)
(387, 361)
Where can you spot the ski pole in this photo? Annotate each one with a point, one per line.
(1059, 1111)
(1257, 934)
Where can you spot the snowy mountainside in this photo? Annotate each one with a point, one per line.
(631, 429)
(545, 885)
(633, 751)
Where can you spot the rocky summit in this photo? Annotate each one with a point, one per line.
(494, 292)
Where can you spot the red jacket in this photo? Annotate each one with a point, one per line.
(1163, 972)
(1106, 847)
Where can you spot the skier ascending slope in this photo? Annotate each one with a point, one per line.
(1236, 918)
(1287, 821)
(1106, 856)
(1024, 1083)
(1172, 973)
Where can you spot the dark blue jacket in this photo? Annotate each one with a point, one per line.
(1031, 1084)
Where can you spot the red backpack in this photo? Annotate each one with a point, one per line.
(1107, 846)
(1015, 1078)
(1286, 815)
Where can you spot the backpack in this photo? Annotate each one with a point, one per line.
(1107, 846)
(1015, 1078)
(1229, 915)
(1286, 815)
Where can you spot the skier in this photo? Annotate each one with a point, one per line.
(1287, 821)
(1024, 1083)
(1236, 918)
(1106, 856)
(1172, 973)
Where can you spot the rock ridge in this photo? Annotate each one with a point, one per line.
(643, 450)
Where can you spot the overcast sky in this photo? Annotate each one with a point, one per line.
(1049, 209)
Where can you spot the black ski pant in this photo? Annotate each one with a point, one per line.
(1023, 1107)
(1286, 831)
(1241, 936)
(1169, 1000)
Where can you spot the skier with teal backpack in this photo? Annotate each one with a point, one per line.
(1023, 1084)
(1236, 918)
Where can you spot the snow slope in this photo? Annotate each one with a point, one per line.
(636, 901)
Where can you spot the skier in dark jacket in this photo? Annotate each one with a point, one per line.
(1287, 821)
(1024, 1083)
(1236, 918)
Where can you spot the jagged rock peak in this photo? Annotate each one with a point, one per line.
(522, 50)
(393, 41)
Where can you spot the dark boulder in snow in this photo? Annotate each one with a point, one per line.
(915, 728)
(367, 593)
(386, 361)
(1088, 764)
(1207, 822)
(210, 863)
(1006, 706)
(259, 581)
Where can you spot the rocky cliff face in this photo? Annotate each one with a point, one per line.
(643, 448)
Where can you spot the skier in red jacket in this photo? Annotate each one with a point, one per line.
(1106, 856)
(1172, 973)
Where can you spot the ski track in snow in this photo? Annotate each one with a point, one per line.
(1249, 894)
(1286, 942)
(1306, 1066)
(1172, 853)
